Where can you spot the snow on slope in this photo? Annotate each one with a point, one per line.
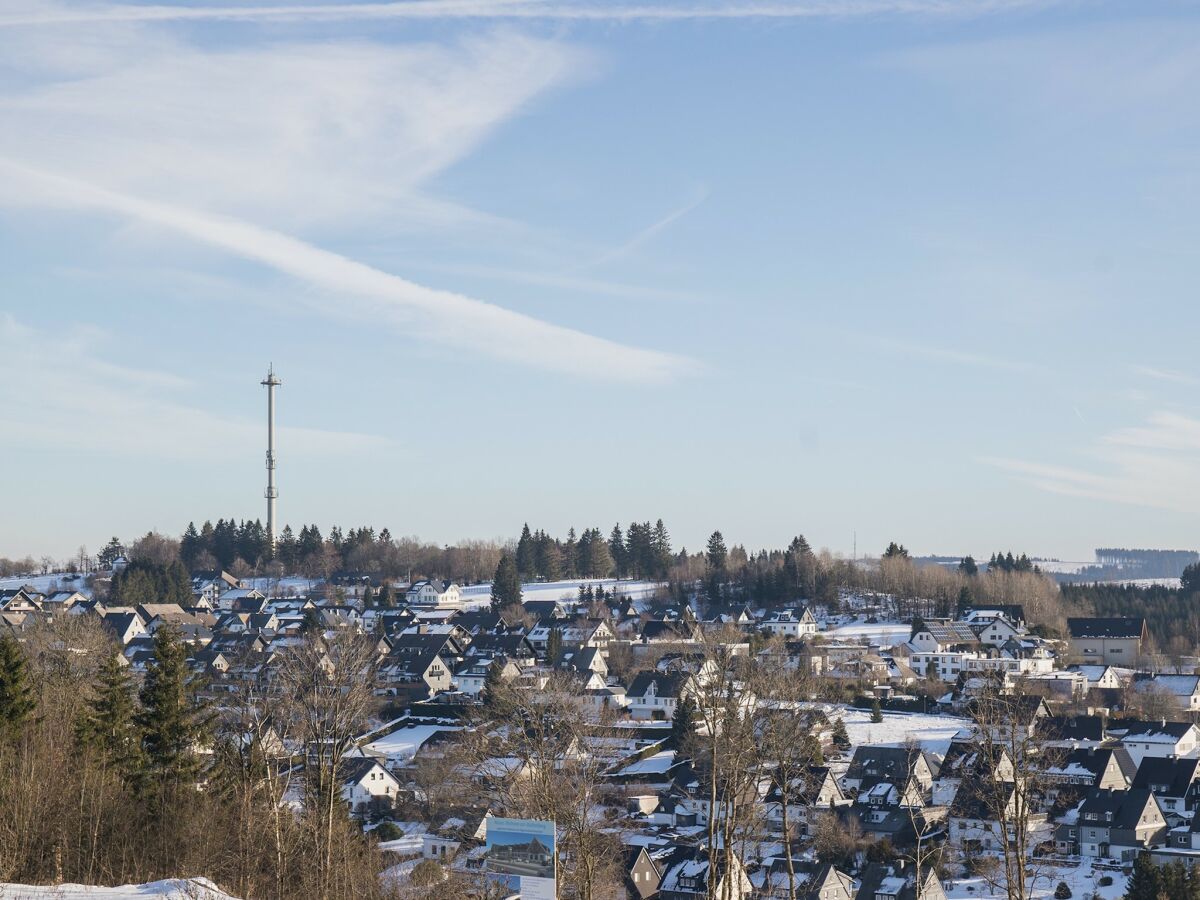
(477, 595)
(172, 889)
(43, 583)
(1083, 880)
(882, 633)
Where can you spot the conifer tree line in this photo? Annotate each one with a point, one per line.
(641, 551)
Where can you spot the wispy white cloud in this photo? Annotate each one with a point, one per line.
(131, 412)
(269, 150)
(572, 283)
(1165, 375)
(648, 233)
(1154, 465)
(353, 288)
(311, 135)
(514, 9)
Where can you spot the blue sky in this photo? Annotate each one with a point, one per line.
(922, 270)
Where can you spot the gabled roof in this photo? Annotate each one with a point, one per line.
(1115, 809)
(355, 768)
(666, 684)
(952, 632)
(895, 764)
(1115, 628)
(1170, 777)
(1071, 728)
(1156, 731)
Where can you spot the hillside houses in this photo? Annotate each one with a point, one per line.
(1108, 785)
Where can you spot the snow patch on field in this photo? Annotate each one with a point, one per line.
(934, 732)
(1083, 880)
(883, 633)
(43, 583)
(171, 889)
(478, 595)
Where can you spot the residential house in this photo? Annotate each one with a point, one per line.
(898, 881)
(1175, 783)
(1157, 738)
(1183, 690)
(435, 595)
(1112, 641)
(1120, 824)
(656, 695)
(828, 883)
(790, 624)
(688, 878)
(365, 784)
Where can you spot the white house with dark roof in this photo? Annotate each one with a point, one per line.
(1163, 739)
(435, 595)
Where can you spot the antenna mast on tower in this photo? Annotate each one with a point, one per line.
(271, 382)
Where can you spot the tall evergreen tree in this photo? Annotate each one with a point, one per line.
(841, 737)
(967, 566)
(16, 693)
(717, 555)
(683, 725)
(525, 561)
(190, 546)
(1144, 883)
(506, 585)
(570, 555)
(600, 562)
(108, 722)
(173, 724)
(616, 549)
(554, 647)
(876, 711)
(111, 551)
(552, 561)
(661, 543)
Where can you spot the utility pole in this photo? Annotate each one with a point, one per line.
(271, 382)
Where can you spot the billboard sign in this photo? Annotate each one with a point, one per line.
(521, 853)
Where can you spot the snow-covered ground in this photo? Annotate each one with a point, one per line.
(291, 585)
(1083, 880)
(477, 595)
(45, 583)
(884, 633)
(172, 889)
(934, 732)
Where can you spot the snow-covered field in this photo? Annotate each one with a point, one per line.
(477, 595)
(44, 583)
(172, 889)
(934, 732)
(882, 633)
(1084, 881)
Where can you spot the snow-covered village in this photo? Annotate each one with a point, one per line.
(599, 450)
(782, 725)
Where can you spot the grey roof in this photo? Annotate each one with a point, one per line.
(1115, 809)
(1124, 627)
(1169, 777)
